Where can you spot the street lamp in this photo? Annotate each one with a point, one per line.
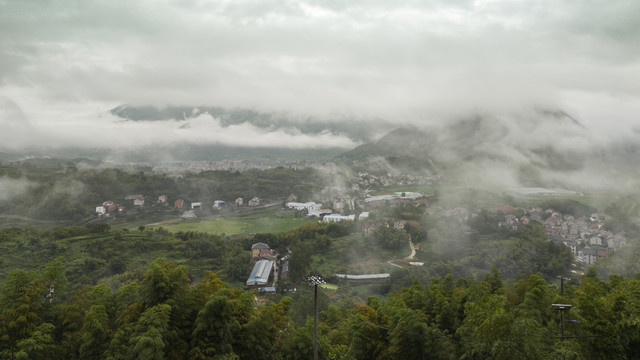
(314, 281)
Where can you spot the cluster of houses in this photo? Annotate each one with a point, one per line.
(179, 167)
(317, 210)
(396, 198)
(585, 235)
(363, 180)
(109, 207)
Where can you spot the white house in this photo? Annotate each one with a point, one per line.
(196, 205)
(309, 206)
(254, 202)
(219, 204)
(338, 217)
(101, 210)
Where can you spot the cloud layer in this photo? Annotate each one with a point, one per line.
(66, 62)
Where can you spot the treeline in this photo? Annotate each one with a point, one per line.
(97, 253)
(71, 194)
(165, 317)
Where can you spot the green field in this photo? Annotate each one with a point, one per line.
(269, 220)
(329, 286)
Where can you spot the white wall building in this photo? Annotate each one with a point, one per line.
(309, 206)
(338, 217)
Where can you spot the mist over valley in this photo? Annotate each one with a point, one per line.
(328, 180)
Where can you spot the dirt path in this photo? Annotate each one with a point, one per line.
(409, 257)
(390, 262)
(413, 251)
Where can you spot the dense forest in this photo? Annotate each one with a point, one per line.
(164, 316)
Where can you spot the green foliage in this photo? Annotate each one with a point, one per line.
(568, 206)
(148, 338)
(390, 238)
(163, 281)
(445, 319)
(40, 344)
(215, 329)
(96, 333)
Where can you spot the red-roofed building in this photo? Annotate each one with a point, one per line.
(506, 209)
(178, 204)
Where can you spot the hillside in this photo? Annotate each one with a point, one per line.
(357, 129)
(402, 148)
(539, 148)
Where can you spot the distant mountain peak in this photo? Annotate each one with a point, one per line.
(358, 130)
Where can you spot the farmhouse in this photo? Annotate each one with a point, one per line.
(254, 202)
(178, 204)
(260, 273)
(256, 248)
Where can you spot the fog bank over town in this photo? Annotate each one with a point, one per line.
(65, 65)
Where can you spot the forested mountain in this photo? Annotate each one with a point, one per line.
(356, 129)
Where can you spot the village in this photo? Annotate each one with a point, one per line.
(586, 236)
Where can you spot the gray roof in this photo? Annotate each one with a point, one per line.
(260, 273)
(259, 246)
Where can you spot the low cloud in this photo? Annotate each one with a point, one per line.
(10, 188)
(103, 130)
(66, 63)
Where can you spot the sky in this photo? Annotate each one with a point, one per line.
(65, 63)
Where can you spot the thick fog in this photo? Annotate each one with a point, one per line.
(65, 64)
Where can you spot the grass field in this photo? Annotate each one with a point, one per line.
(353, 255)
(329, 286)
(269, 220)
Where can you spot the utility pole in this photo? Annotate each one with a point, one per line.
(562, 279)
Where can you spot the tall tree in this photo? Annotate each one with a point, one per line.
(214, 328)
(96, 333)
(148, 338)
